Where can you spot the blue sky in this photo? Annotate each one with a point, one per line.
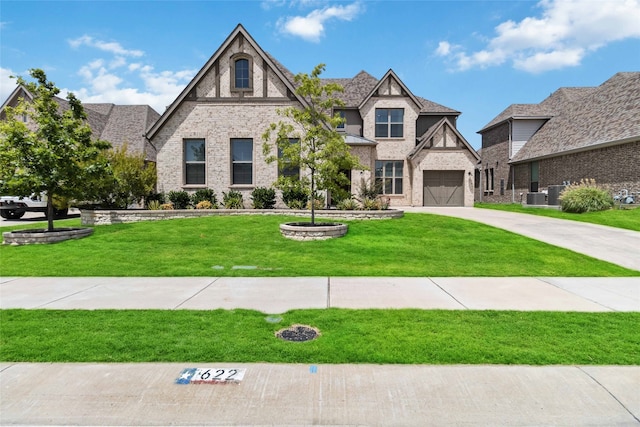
(477, 57)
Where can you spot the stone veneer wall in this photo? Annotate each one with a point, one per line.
(107, 217)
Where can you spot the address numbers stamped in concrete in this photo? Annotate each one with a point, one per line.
(211, 376)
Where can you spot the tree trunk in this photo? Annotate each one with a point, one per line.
(313, 198)
(49, 212)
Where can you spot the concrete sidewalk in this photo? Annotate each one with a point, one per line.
(279, 294)
(615, 245)
(305, 395)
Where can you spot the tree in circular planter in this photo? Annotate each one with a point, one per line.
(53, 153)
(307, 139)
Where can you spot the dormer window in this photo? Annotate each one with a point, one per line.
(341, 126)
(241, 73)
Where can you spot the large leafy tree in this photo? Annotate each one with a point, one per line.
(54, 153)
(307, 138)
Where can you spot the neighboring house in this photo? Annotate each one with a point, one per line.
(211, 135)
(574, 134)
(118, 124)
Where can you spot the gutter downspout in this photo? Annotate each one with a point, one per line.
(513, 176)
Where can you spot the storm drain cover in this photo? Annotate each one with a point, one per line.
(298, 333)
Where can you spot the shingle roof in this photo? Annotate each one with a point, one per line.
(588, 117)
(357, 88)
(125, 124)
(546, 109)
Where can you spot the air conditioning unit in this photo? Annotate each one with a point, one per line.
(536, 199)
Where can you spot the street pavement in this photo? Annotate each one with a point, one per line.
(329, 395)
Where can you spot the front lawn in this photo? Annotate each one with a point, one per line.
(347, 336)
(416, 245)
(628, 217)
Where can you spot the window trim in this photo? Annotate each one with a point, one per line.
(388, 123)
(232, 63)
(233, 163)
(186, 162)
(393, 177)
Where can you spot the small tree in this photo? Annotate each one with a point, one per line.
(308, 138)
(57, 157)
(128, 180)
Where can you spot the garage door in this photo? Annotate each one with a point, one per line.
(443, 188)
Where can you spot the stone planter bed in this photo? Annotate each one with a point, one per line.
(30, 237)
(106, 217)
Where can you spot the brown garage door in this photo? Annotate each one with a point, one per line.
(443, 188)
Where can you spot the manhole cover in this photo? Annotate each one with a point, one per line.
(298, 333)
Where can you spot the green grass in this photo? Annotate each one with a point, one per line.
(628, 218)
(416, 245)
(347, 336)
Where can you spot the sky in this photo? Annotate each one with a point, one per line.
(476, 57)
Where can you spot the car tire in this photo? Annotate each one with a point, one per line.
(11, 214)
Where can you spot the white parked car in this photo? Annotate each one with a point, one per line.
(14, 207)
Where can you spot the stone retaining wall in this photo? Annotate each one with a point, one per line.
(106, 217)
(30, 237)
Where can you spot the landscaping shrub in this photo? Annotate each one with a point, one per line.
(204, 195)
(347, 205)
(204, 204)
(232, 200)
(179, 199)
(166, 206)
(371, 204)
(318, 202)
(263, 198)
(585, 197)
(154, 197)
(154, 205)
(295, 196)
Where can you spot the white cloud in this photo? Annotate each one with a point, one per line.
(111, 47)
(7, 84)
(112, 79)
(312, 26)
(562, 36)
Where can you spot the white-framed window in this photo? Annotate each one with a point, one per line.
(389, 122)
(388, 176)
(488, 181)
(241, 161)
(194, 161)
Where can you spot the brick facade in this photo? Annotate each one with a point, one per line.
(211, 109)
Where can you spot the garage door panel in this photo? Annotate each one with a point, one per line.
(443, 188)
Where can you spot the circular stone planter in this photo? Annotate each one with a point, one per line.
(317, 231)
(30, 237)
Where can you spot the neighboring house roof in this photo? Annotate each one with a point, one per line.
(425, 138)
(117, 124)
(544, 110)
(587, 118)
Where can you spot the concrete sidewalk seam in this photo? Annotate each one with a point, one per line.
(542, 279)
(68, 296)
(609, 392)
(445, 291)
(207, 286)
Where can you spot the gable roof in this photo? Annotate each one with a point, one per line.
(607, 114)
(278, 68)
(426, 137)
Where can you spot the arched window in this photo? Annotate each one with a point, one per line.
(241, 73)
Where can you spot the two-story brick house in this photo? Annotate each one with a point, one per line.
(576, 133)
(211, 135)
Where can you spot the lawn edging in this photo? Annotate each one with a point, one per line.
(107, 217)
